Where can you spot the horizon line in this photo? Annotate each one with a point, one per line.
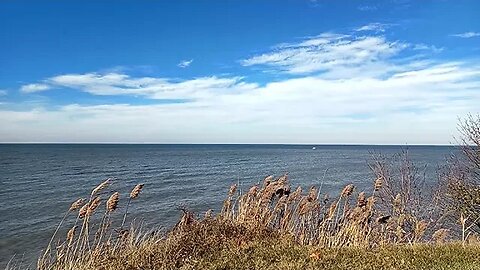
(286, 144)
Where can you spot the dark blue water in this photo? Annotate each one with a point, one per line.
(38, 182)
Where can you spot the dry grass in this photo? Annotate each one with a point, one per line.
(269, 227)
(93, 237)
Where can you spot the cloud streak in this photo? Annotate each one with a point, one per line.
(34, 87)
(327, 53)
(185, 63)
(373, 27)
(467, 35)
(150, 87)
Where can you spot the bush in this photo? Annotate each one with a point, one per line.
(459, 193)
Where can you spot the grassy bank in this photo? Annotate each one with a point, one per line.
(216, 244)
(271, 227)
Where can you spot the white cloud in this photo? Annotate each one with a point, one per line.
(364, 92)
(467, 35)
(150, 87)
(328, 52)
(418, 105)
(34, 87)
(424, 47)
(373, 27)
(3, 92)
(185, 63)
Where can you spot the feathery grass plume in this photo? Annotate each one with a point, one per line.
(326, 198)
(232, 190)
(208, 214)
(76, 204)
(361, 200)
(420, 228)
(112, 202)
(100, 187)
(83, 211)
(253, 190)
(281, 204)
(136, 191)
(312, 194)
(283, 179)
(268, 193)
(440, 235)
(227, 209)
(133, 195)
(93, 205)
(331, 210)
(187, 219)
(304, 205)
(397, 202)
(370, 203)
(295, 195)
(71, 234)
(267, 180)
(110, 205)
(378, 184)
(347, 190)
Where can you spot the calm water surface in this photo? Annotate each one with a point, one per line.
(40, 181)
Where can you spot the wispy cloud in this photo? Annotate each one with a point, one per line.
(467, 35)
(328, 52)
(425, 47)
(367, 7)
(34, 87)
(185, 63)
(150, 87)
(373, 27)
(3, 92)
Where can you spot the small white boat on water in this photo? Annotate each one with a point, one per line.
(313, 148)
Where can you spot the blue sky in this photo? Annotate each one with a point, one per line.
(349, 72)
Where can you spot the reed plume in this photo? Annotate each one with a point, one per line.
(93, 205)
(253, 191)
(440, 235)
(136, 191)
(397, 202)
(232, 190)
(331, 211)
(112, 202)
(100, 187)
(378, 184)
(208, 214)
(83, 211)
(347, 190)
(76, 204)
(133, 195)
(361, 200)
(420, 228)
(71, 234)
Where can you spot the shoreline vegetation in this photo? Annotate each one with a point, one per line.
(397, 224)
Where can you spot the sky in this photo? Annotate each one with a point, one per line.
(299, 71)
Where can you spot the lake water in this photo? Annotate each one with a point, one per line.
(39, 181)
